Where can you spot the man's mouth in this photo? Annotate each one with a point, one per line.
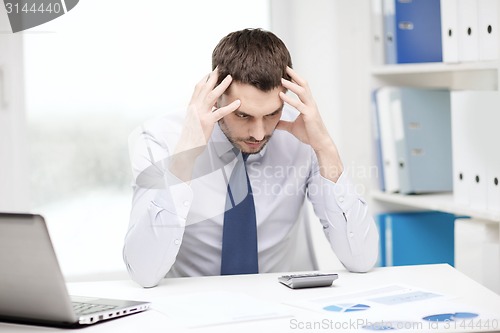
(253, 144)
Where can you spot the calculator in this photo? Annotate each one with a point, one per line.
(309, 280)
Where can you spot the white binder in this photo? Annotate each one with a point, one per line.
(389, 26)
(468, 34)
(385, 98)
(493, 185)
(462, 175)
(449, 30)
(488, 29)
(377, 33)
(478, 191)
(488, 107)
(474, 118)
(490, 128)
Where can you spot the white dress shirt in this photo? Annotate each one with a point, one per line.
(176, 228)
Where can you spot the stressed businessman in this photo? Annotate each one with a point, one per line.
(220, 189)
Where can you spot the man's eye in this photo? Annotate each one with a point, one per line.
(273, 114)
(240, 115)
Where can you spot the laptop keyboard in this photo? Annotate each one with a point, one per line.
(89, 308)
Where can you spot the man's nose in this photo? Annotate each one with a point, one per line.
(258, 131)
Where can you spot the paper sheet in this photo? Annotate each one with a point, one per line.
(218, 307)
(401, 308)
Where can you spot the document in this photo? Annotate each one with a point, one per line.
(402, 308)
(218, 307)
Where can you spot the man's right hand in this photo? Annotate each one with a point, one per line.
(202, 114)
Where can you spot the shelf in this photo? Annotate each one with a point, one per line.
(456, 76)
(434, 67)
(440, 201)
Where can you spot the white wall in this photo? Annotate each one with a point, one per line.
(92, 76)
(329, 44)
(13, 168)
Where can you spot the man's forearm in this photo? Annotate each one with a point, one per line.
(330, 164)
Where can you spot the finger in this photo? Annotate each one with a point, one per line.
(292, 86)
(296, 103)
(210, 82)
(298, 90)
(219, 90)
(295, 77)
(224, 111)
(199, 86)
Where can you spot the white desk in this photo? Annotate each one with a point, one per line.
(438, 278)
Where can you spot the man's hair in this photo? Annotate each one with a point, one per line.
(252, 56)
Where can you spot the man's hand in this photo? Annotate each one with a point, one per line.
(201, 117)
(201, 112)
(309, 128)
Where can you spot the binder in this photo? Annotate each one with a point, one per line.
(468, 148)
(468, 32)
(470, 235)
(418, 31)
(422, 134)
(385, 100)
(493, 185)
(377, 142)
(449, 30)
(475, 116)
(416, 238)
(462, 172)
(491, 137)
(377, 31)
(491, 257)
(477, 251)
(488, 29)
(389, 12)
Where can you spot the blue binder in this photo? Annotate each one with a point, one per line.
(423, 141)
(377, 144)
(416, 238)
(416, 25)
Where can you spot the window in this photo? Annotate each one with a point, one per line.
(91, 77)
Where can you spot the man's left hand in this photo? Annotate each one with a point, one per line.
(308, 127)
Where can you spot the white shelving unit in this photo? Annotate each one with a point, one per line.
(481, 75)
(478, 76)
(458, 76)
(437, 201)
(477, 258)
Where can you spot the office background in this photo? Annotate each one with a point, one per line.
(75, 87)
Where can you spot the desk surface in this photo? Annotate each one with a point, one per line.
(437, 278)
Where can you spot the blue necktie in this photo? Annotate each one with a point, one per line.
(239, 238)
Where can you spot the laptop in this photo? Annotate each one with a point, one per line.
(32, 287)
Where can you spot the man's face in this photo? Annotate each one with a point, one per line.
(250, 127)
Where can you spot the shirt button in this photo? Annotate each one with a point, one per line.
(186, 203)
(177, 242)
(351, 234)
(341, 199)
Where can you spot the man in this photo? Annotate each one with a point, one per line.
(221, 192)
